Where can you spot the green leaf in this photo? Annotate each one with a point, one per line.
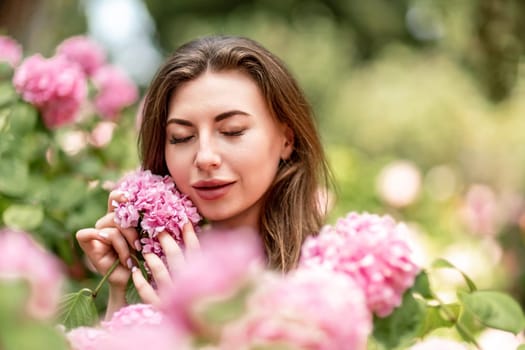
(436, 317)
(521, 347)
(401, 326)
(23, 217)
(66, 192)
(422, 286)
(13, 296)
(495, 309)
(14, 176)
(77, 309)
(23, 118)
(442, 263)
(32, 336)
(7, 93)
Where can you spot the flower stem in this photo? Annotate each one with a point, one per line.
(104, 279)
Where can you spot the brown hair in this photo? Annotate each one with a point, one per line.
(291, 210)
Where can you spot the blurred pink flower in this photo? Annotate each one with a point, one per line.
(115, 91)
(480, 210)
(10, 51)
(310, 309)
(55, 86)
(22, 258)
(372, 250)
(83, 51)
(154, 205)
(135, 315)
(227, 262)
(136, 326)
(102, 134)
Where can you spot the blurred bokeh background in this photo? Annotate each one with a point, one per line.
(420, 104)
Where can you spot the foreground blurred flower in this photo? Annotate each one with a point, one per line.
(56, 86)
(372, 250)
(153, 205)
(228, 263)
(115, 91)
(22, 258)
(136, 326)
(307, 309)
(10, 51)
(83, 51)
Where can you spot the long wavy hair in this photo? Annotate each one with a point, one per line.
(292, 209)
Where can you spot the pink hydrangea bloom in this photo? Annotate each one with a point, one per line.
(136, 326)
(310, 309)
(83, 51)
(55, 86)
(227, 262)
(22, 258)
(153, 205)
(373, 250)
(10, 51)
(115, 91)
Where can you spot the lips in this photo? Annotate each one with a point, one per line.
(212, 189)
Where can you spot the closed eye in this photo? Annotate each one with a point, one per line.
(174, 140)
(233, 133)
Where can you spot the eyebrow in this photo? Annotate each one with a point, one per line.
(217, 118)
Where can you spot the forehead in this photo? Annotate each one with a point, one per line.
(217, 91)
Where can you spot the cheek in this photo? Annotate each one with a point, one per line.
(179, 169)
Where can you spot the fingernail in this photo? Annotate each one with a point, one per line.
(130, 263)
(138, 247)
(133, 269)
(103, 234)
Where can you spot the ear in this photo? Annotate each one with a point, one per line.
(288, 143)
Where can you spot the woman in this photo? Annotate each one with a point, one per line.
(227, 121)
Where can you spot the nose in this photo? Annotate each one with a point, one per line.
(207, 157)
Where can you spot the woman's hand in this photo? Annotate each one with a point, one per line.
(175, 258)
(104, 244)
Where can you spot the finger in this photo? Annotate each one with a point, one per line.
(115, 196)
(118, 242)
(171, 249)
(129, 233)
(191, 242)
(159, 271)
(144, 289)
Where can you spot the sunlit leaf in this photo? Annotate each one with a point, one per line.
(23, 217)
(422, 285)
(436, 317)
(77, 309)
(442, 263)
(402, 326)
(495, 309)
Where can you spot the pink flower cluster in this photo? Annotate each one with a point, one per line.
(10, 51)
(153, 205)
(310, 309)
(115, 91)
(370, 249)
(55, 86)
(84, 51)
(135, 326)
(22, 258)
(58, 86)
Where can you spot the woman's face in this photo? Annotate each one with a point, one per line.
(223, 146)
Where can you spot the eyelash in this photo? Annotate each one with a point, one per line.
(175, 140)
